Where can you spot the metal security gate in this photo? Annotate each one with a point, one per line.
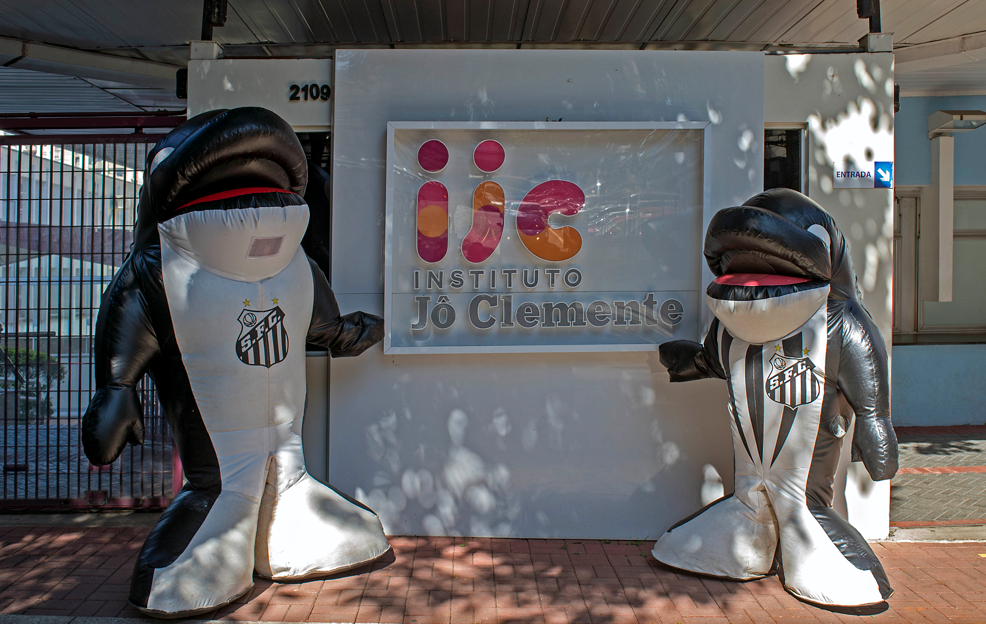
(68, 212)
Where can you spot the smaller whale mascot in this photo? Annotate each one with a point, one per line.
(800, 355)
(216, 302)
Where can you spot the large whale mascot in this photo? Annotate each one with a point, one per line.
(800, 355)
(216, 302)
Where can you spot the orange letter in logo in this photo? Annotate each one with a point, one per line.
(432, 221)
(547, 198)
(487, 223)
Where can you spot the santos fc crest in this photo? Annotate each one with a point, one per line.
(263, 341)
(795, 382)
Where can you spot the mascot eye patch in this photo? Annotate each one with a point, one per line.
(264, 246)
(756, 279)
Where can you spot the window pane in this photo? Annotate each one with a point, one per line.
(782, 159)
(968, 305)
(970, 214)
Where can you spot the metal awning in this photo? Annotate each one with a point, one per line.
(124, 53)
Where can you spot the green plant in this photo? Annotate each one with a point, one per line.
(27, 381)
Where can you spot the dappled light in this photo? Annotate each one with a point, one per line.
(852, 126)
(472, 457)
(796, 64)
(463, 493)
(466, 579)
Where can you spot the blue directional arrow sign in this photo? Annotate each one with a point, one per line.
(883, 174)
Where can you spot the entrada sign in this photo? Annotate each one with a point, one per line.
(542, 237)
(879, 174)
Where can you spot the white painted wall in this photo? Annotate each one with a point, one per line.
(573, 445)
(847, 102)
(533, 445)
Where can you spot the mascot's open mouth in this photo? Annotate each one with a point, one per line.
(771, 273)
(759, 254)
(758, 279)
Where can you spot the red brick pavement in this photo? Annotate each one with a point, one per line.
(942, 470)
(964, 430)
(86, 572)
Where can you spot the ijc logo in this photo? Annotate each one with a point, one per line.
(489, 210)
(476, 261)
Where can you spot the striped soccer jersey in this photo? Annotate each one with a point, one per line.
(784, 413)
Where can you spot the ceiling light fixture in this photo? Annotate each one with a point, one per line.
(948, 122)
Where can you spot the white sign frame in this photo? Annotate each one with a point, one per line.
(704, 126)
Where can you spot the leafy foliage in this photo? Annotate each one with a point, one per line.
(27, 380)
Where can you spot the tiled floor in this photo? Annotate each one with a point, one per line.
(942, 477)
(73, 571)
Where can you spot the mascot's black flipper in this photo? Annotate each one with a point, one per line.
(864, 378)
(689, 361)
(343, 336)
(216, 302)
(125, 345)
(797, 350)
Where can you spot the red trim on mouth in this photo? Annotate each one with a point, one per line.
(234, 193)
(756, 279)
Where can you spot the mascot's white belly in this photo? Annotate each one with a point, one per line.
(242, 343)
(775, 404)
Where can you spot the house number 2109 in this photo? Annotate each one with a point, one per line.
(309, 92)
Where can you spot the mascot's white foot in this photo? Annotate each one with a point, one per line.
(209, 568)
(309, 530)
(825, 561)
(726, 539)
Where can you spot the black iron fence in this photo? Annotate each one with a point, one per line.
(67, 212)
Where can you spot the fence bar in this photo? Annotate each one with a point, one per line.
(69, 208)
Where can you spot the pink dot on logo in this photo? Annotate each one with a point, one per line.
(488, 156)
(433, 156)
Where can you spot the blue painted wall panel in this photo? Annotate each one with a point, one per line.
(937, 385)
(912, 150)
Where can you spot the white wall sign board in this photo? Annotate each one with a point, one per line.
(474, 265)
(575, 444)
(299, 90)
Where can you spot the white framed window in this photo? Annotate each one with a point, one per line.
(963, 319)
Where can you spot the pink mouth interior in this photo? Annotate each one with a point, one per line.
(756, 279)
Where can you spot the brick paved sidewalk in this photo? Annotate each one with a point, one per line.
(48, 570)
(942, 477)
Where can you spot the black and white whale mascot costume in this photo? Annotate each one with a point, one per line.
(801, 355)
(216, 302)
